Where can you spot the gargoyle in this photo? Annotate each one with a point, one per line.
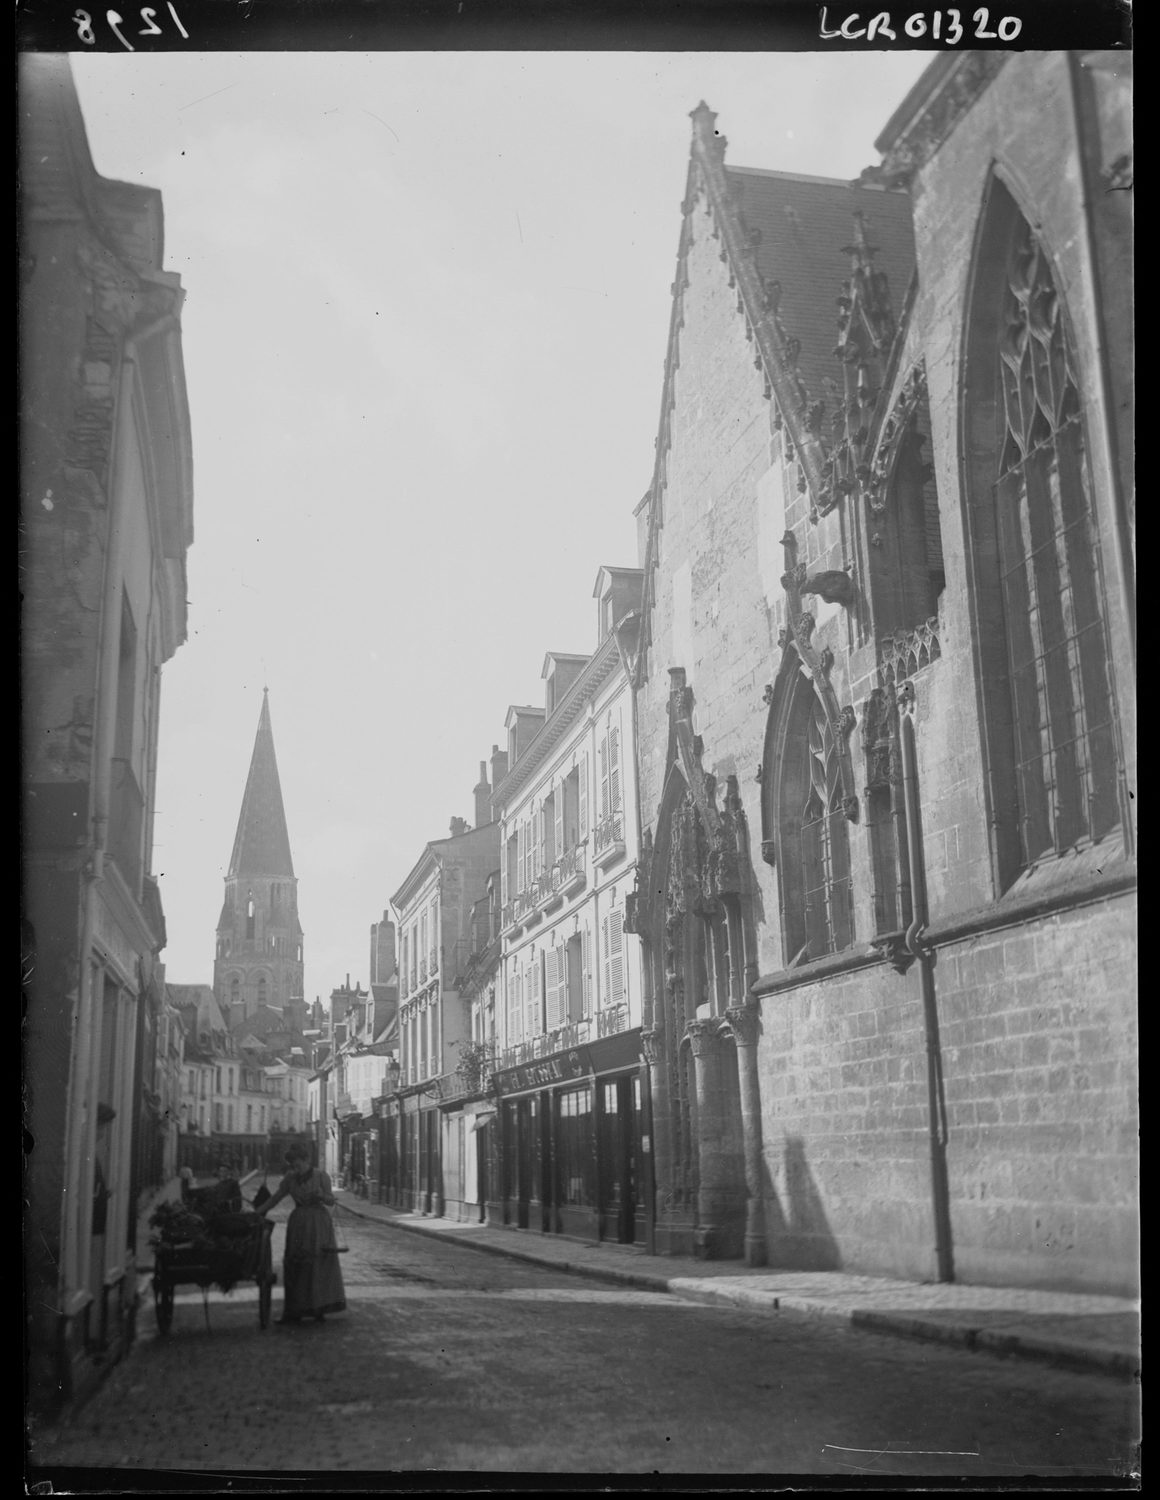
(832, 586)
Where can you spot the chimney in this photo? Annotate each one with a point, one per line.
(458, 826)
(482, 797)
(499, 766)
(382, 950)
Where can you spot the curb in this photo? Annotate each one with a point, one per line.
(1004, 1345)
(644, 1280)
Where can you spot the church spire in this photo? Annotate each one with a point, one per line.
(262, 844)
(258, 964)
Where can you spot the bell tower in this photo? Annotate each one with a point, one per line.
(258, 961)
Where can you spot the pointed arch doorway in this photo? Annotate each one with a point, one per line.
(701, 1046)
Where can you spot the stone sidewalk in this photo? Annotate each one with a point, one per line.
(1073, 1330)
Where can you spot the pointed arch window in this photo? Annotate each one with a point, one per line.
(1051, 735)
(805, 822)
(824, 842)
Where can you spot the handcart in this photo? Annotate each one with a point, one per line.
(234, 1247)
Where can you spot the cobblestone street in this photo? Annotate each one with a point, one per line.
(452, 1361)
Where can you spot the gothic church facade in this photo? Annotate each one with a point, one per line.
(885, 698)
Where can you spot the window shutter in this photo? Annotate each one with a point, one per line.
(616, 957)
(606, 987)
(520, 856)
(586, 965)
(604, 808)
(614, 769)
(584, 796)
(552, 986)
(533, 996)
(559, 808)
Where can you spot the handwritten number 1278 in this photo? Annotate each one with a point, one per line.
(84, 25)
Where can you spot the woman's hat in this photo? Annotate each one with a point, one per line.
(105, 1113)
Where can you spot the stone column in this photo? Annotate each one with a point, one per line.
(745, 1023)
(713, 1188)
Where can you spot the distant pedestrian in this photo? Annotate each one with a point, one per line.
(311, 1275)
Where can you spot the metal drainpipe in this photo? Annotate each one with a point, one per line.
(940, 1189)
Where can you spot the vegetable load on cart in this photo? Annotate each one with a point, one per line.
(209, 1241)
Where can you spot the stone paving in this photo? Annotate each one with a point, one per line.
(501, 1362)
(1076, 1330)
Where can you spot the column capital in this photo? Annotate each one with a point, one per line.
(704, 1036)
(745, 1023)
(652, 1046)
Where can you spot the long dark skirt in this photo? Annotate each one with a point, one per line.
(310, 1268)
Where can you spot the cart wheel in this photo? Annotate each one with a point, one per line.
(163, 1303)
(264, 1299)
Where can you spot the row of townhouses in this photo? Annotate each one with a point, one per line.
(797, 923)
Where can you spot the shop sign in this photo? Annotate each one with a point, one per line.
(619, 1051)
(549, 1070)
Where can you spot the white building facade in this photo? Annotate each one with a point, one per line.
(570, 1141)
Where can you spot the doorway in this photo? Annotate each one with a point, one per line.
(621, 1206)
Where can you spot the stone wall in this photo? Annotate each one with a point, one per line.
(1033, 981)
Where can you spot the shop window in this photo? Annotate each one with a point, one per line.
(575, 1157)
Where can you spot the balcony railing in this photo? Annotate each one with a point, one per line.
(471, 1079)
(612, 1020)
(608, 839)
(576, 1034)
(433, 961)
(547, 890)
(422, 971)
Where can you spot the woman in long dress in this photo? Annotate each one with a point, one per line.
(311, 1277)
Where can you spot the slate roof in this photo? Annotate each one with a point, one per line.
(264, 1022)
(262, 844)
(804, 224)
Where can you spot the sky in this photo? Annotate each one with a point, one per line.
(427, 301)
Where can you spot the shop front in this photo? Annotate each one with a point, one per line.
(565, 1152)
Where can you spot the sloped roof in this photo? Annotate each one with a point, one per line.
(264, 1021)
(262, 844)
(806, 225)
